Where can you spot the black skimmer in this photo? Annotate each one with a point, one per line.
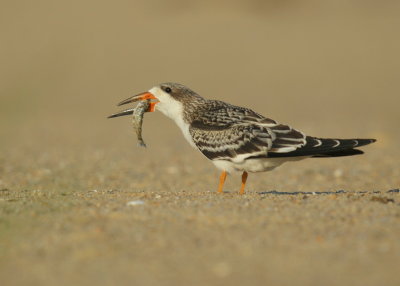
(235, 138)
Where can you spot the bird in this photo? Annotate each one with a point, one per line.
(236, 138)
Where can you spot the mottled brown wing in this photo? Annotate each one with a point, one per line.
(230, 141)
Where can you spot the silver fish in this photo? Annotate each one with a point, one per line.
(137, 119)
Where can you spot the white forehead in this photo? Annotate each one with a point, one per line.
(167, 104)
(157, 92)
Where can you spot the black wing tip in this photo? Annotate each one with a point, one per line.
(363, 142)
(341, 153)
(347, 149)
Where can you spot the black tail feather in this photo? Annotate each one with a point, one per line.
(321, 147)
(342, 153)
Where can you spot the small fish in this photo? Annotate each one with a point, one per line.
(137, 119)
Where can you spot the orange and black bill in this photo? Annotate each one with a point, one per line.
(138, 97)
(122, 113)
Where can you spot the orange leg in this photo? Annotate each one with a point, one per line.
(222, 179)
(244, 179)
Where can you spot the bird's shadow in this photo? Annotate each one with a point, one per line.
(323, 193)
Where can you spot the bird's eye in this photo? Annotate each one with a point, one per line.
(168, 90)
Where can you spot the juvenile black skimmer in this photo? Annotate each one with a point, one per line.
(235, 138)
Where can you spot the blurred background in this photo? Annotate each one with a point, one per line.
(328, 68)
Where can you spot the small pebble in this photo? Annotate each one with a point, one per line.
(135, 203)
(382, 200)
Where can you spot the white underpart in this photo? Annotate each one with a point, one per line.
(253, 165)
(172, 109)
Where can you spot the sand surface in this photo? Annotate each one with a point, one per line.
(81, 204)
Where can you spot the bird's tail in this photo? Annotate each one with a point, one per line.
(324, 147)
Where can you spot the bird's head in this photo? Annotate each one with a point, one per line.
(169, 98)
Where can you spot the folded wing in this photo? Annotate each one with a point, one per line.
(227, 132)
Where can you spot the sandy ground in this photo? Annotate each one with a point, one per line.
(81, 204)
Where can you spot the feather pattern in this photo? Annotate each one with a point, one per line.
(325, 147)
(222, 131)
(226, 132)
